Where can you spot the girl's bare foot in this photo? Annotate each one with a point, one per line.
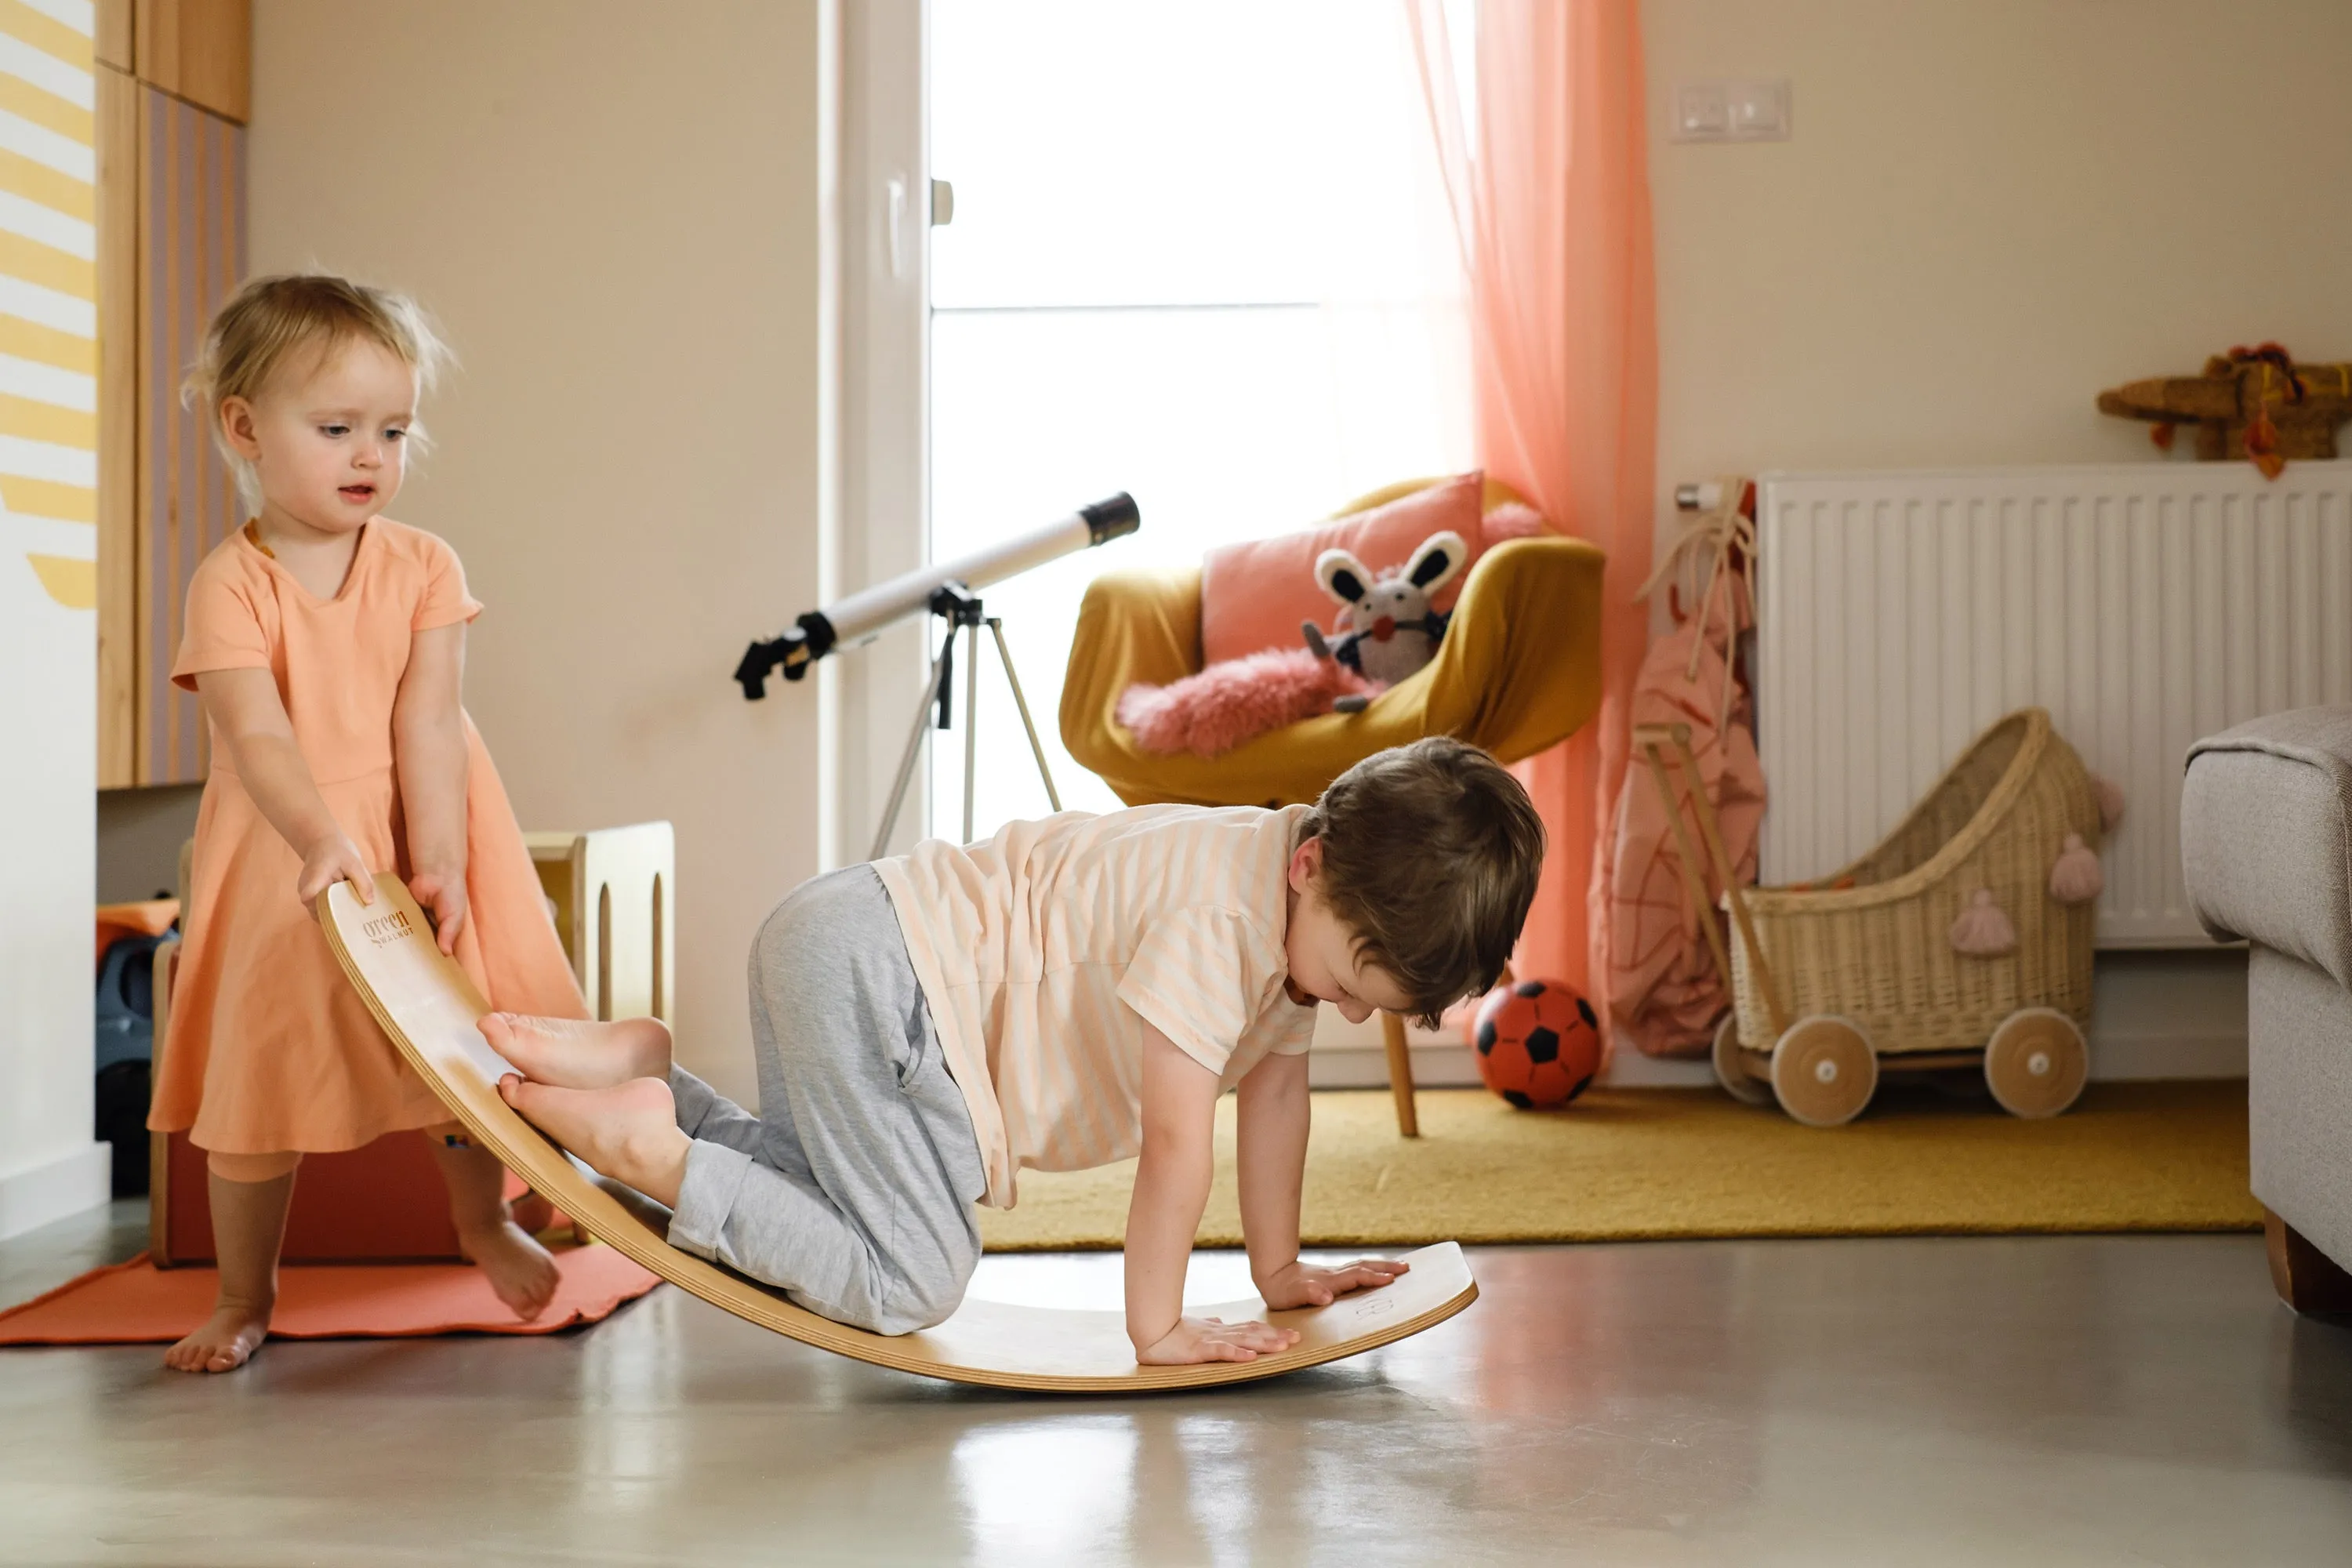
(628, 1132)
(521, 1271)
(248, 1223)
(227, 1342)
(572, 1053)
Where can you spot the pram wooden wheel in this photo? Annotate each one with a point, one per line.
(1823, 1070)
(2037, 1063)
(1731, 1071)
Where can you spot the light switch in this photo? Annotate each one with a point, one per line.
(1747, 109)
(1757, 111)
(1700, 112)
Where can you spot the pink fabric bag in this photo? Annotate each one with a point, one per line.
(1665, 994)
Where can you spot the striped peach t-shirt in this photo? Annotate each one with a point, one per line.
(1042, 951)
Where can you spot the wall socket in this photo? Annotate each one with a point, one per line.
(1745, 109)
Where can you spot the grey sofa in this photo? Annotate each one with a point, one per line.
(2266, 847)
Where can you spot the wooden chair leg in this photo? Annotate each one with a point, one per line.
(1401, 1075)
(2304, 1277)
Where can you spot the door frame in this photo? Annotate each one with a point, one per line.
(876, 502)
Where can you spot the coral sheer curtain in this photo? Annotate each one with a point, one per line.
(1547, 171)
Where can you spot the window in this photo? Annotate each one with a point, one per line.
(1199, 254)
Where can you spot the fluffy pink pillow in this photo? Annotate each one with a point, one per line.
(1235, 701)
(1254, 595)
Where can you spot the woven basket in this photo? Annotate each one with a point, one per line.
(1879, 952)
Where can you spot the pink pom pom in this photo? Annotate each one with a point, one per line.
(1236, 700)
(2110, 803)
(1983, 930)
(2076, 877)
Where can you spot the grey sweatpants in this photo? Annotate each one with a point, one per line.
(853, 1189)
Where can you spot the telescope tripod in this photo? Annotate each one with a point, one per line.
(960, 607)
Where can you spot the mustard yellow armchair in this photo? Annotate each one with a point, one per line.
(1520, 670)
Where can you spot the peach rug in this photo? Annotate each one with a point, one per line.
(136, 1303)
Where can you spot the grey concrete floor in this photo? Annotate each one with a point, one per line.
(2046, 1400)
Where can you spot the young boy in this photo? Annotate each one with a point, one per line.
(1070, 993)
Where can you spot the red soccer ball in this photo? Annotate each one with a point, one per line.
(1539, 1043)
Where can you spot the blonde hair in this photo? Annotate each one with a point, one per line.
(273, 320)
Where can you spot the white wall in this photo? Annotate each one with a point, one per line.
(612, 208)
(1990, 210)
(49, 1166)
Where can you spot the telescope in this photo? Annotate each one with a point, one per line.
(945, 590)
(867, 614)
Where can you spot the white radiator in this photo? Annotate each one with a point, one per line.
(2143, 605)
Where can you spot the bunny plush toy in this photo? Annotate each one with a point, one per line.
(1390, 630)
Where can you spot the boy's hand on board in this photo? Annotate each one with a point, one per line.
(442, 895)
(1194, 1340)
(1311, 1285)
(332, 858)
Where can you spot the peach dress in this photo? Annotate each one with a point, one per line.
(268, 1048)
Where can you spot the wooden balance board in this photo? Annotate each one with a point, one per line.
(429, 1007)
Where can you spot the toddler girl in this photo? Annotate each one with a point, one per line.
(326, 643)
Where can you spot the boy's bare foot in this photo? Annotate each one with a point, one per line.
(227, 1342)
(572, 1053)
(521, 1272)
(628, 1132)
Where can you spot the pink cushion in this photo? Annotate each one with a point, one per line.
(1254, 595)
(1512, 520)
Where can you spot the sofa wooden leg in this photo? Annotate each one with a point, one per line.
(1401, 1075)
(2306, 1277)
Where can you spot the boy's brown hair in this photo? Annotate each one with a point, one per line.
(1430, 857)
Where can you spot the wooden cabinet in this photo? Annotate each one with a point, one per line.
(118, 423)
(171, 159)
(113, 36)
(200, 51)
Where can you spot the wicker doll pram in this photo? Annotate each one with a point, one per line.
(1863, 972)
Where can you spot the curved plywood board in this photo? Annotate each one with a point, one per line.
(428, 1008)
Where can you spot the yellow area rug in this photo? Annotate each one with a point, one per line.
(1646, 1165)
